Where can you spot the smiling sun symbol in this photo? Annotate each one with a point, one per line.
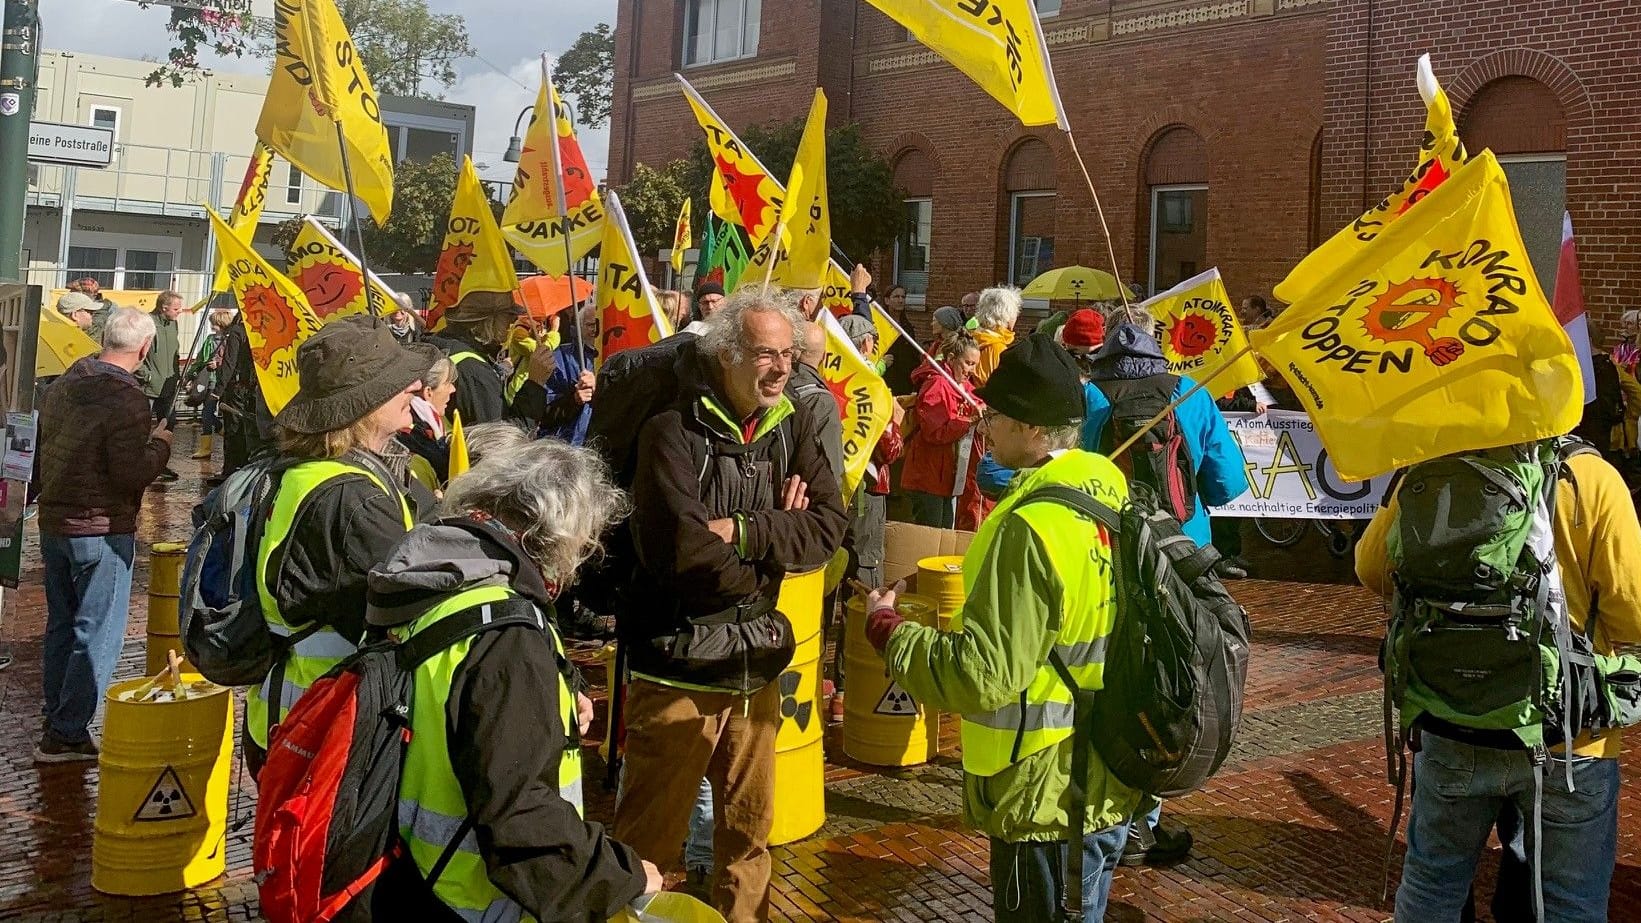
(1408, 312)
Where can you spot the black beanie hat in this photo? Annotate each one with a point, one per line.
(1037, 383)
(709, 288)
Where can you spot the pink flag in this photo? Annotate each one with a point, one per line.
(1569, 305)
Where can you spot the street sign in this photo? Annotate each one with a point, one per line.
(73, 145)
(262, 8)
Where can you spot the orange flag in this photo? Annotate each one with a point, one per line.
(628, 315)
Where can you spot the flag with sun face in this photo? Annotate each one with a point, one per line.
(277, 316)
(863, 400)
(329, 276)
(1200, 332)
(474, 256)
(554, 196)
(1434, 338)
(628, 314)
(743, 192)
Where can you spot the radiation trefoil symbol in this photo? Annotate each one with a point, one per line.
(1409, 312)
(791, 709)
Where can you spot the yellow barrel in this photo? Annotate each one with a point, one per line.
(162, 791)
(882, 724)
(800, 763)
(941, 579)
(164, 602)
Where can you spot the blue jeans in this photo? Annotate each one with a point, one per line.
(933, 511)
(1459, 791)
(88, 592)
(1028, 879)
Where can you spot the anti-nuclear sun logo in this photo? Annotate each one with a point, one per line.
(1192, 334)
(1409, 312)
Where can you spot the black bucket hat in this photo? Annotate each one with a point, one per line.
(348, 369)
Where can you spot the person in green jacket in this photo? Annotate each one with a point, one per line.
(161, 372)
(1039, 580)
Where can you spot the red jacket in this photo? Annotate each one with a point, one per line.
(888, 450)
(945, 431)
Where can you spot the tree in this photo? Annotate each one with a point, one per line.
(586, 74)
(868, 212)
(410, 240)
(651, 200)
(225, 33)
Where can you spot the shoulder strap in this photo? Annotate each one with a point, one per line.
(458, 626)
(1077, 500)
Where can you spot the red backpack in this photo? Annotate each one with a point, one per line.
(327, 804)
(1161, 457)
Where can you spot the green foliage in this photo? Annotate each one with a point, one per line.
(651, 200)
(410, 240)
(867, 208)
(225, 33)
(284, 233)
(586, 75)
(407, 49)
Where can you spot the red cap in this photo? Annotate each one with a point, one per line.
(1085, 327)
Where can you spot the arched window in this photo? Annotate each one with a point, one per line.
(1176, 180)
(915, 176)
(1522, 121)
(1030, 184)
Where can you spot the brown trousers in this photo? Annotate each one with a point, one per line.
(676, 737)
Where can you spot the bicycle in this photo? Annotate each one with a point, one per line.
(1341, 535)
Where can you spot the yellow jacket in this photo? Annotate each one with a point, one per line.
(992, 343)
(1598, 544)
(1624, 434)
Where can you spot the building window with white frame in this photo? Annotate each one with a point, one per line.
(106, 117)
(93, 263)
(720, 30)
(912, 249)
(293, 186)
(1521, 120)
(1047, 8)
(149, 270)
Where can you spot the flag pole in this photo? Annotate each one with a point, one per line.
(359, 232)
(1163, 414)
(1110, 250)
(560, 204)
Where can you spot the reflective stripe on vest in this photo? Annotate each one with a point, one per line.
(1081, 559)
(314, 655)
(431, 805)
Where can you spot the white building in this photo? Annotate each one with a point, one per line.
(139, 224)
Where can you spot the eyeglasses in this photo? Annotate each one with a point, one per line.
(765, 356)
(988, 418)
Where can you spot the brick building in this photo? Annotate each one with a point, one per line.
(1234, 133)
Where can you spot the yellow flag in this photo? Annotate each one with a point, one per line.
(682, 239)
(806, 240)
(554, 196)
(474, 257)
(743, 191)
(997, 43)
(318, 83)
(887, 333)
(253, 192)
(1200, 332)
(459, 462)
(329, 276)
(277, 317)
(628, 314)
(1441, 153)
(1434, 338)
(863, 400)
(836, 300)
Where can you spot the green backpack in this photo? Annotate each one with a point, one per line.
(1479, 639)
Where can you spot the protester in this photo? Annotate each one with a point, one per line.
(495, 733)
(1040, 579)
(239, 401)
(1256, 312)
(699, 626)
(1626, 356)
(426, 438)
(404, 323)
(709, 299)
(903, 357)
(1130, 376)
(340, 508)
(99, 449)
(476, 332)
(942, 451)
(968, 305)
(813, 398)
(79, 308)
(200, 377)
(674, 306)
(571, 387)
(100, 308)
(161, 370)
(1463, 780)
(1083, 332)
(995, 315)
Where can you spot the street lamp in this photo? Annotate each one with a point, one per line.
(515, 144)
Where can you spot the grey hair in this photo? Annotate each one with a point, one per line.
(998, 308)
(497, 436)
(403, 301)
(127, 329)
(1133, 314)
(1058, 438)
(557, 498)
(725, 336)
(442, 371)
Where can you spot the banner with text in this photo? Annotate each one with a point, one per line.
(1290, 475)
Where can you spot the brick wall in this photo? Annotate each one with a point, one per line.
(1587, 54)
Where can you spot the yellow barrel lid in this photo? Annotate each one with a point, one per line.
(168, 547)
(942, 564)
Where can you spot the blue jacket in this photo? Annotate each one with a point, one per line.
(564, 419)
(1131, 353)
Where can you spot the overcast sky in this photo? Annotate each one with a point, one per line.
(508, 36)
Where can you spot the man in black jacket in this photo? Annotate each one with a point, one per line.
(731, 489)
(475, 330)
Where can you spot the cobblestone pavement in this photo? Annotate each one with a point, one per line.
(1292, 829)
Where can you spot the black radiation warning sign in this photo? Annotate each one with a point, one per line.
(896, 703)
(166, 800)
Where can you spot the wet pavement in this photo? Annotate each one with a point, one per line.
(1293, 828)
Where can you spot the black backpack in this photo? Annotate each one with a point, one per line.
(1160, 458)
